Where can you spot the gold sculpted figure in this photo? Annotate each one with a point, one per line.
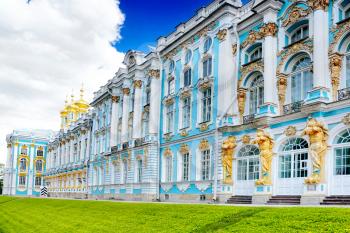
(318, 135)
(228, 147)
(265, 143)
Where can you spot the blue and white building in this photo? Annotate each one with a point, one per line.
(241, 103)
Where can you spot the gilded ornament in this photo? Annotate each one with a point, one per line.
(184, 149)
(138, 84)
(265, 143)
(346, 120)
(185, 93)
(241, 96)
(234, 49)
(115, 99)
(246, 139)
(154, 73)
(204, 84)
(184, 133)
(126, 91)
(318, 4)
(204, 145)
(290, 131)
(203, 127)
(228, 147)
(253, 36)
(339, 31)
(318, 135)
(335, 68)
(295, 14)
(168, 152)
(269, 29)
(221, 35)
(282, 84)
(252, 67)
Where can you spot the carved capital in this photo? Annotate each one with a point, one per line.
(126, 91)
(115, 99)
(234, 49)
(318, 4)
(221, 35)
(269, 29)
(154, 73)
(138, 84)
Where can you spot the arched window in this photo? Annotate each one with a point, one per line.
(23, 165)
(248, 163)
(39, 166)
(299, 33)
(301, 79)
(207, 44)
(256, 94)
(342, 153)
(346, 84)
(255, 54)
(188, 56)
(293, 158)
(171, 66)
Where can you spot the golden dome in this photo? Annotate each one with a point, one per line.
(81, 103)
(64, 112)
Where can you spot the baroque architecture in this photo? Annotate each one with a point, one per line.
(240, 104)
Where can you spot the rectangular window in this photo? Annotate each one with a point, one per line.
(185, 166)
(207, 67)
(125, 172)
(206, 105)
(253, 169)
(187, 78)
(206, 165)
(186, 113)
(170, 119)
(37, 181)
(286, 166)
(342, 161)
(300, 165)
(139, 171)
(22, 180)
(171, 87)
(39, 153)
(242, 170)
(24, 150)
(347, 71)
(168, 169)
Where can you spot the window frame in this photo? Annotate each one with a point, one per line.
(206, 105)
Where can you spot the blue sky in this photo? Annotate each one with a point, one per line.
(146, 20)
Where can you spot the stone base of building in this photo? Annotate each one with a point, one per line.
(260, 199)
(186, 198)
(311, 200)
(68, 195)
(124, 197)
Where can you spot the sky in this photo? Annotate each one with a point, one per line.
(49, 48)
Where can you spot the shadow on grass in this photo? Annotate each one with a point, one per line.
(228, 220)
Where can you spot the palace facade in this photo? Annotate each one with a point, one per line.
(240, 104)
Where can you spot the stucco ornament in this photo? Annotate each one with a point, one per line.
(290, 131)
(346, 120)
(253, 36)
(168, 152)
(282, 84)
(265, 143)
(252, 67)
(234, 49)
(295, 14)
(241, 96)
(269, 29)
(318, 135)
(318, 4)
(154, 73)
(228, 147)
(335, 67)
(184, 149)
(221, 35)
(204, 145)
(246, 139)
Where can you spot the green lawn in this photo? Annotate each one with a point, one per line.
(49, 215)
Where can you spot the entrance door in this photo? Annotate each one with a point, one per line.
(292, 167)
(341, 172)
(247, 170)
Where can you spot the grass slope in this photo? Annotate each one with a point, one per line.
(49, 215)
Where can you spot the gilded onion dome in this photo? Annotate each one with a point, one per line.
(81, 103)
(64, 112)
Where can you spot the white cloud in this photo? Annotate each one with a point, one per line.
(47, 48)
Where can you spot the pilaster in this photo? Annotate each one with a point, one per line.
(125, 117)
(114, 120)
(154, 120)
(137, 119)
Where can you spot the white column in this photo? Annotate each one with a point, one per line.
(154, 119)
(227, 81)
(82, 146)
(125, 118)
(321, 44)
(31, 169)
(70, 152)
(7, 182)
(270, 57)
(137, 119)
(114, 120)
